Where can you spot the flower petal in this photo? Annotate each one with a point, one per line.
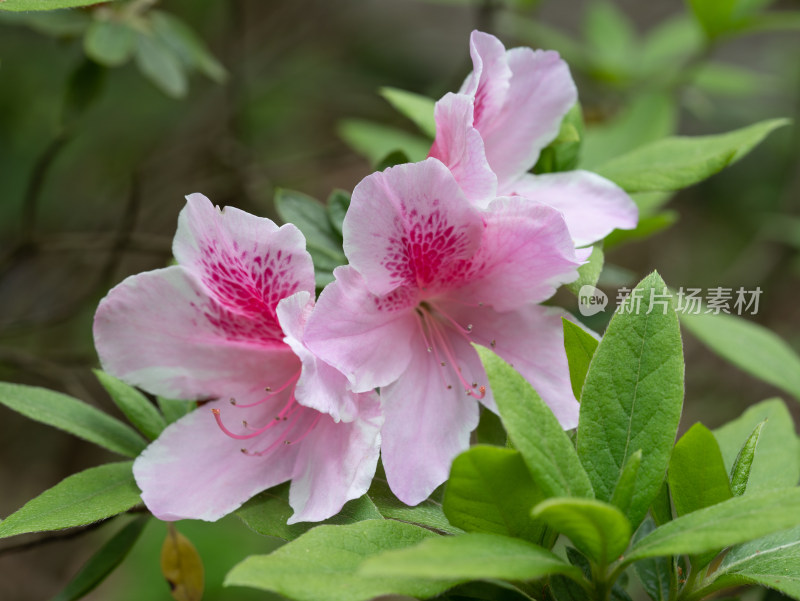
(540, 93)
(592, 205)
(193, 470)
(364, 336)
(459, 146)
(526, 253)
(321, 386)
(490, 79)
(336, 462)
(530, 338)
(427, 423)
(160, 331)
(247, 263)
(410, 225)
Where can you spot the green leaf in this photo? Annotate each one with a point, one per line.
(580, 347)
(649, 117)
(322, 564)
(661, 509)
(769, 561)
(19, 5)
(646, 228)
(599, 530)
(104, 561)
(158, 62)
(268, 512)
(375, 141)
(173, 410)
(109, 43)
(734, 521)
(633, 395)
(740, 472)
(588, 273)
(88, 496)
(611, 41)
(749, 346)
(84, 88)
(669, 44)
(57, 24)
(396, 157)
(563, 153)
(715, 16)
(654, 572)
(337, 205)
(676, 162)
(181, 566)
(187, 45)
(535, 432)
(323, 242)
(429, 513)
(626, 485)
(490, 490)
(73, 416)
(469, 557)
(697, 474)
(730, 80)
(416, 107)
(136, 407)
(776, 463)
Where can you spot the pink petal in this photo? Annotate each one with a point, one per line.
(410, 225)
(530, 338)
(247, 263)
(526, 253)
(159, 331)
(540, 93)
(364, 336)
(427, 423)
(489, 81)
(193, 470)
(592, 205)
(336, 462)
(459, 146)
(321, 386)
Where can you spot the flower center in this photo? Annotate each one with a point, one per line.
(437, 327)
(291, 424)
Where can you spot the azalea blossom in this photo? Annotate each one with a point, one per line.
(225, 326)
(491, 133)
(429, 275)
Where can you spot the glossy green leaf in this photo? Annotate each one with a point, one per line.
(740, 472)
(597, 529)
(734, 521)
(769, 561)
(173, 410)
(337, 205)
(750, 346)
(535, 432)
(776, 463)
(322, 564)
(323, 242)
(655, 573)
(26, 5)
(159, 63)
(136, 407)
(588, 273)
(676, 162)
(661, 509)
(416, 107)
(88, 496)
(73, 416)
(697, 474)
(267, 513)
(375, 141)
(633, 395)
(109, 43)
(626, 485)
(490, 490)
(429, 513)
(580, 347)
(468, 557)
(186, 44)
(104, 561)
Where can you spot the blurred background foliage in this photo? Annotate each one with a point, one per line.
(110, 114)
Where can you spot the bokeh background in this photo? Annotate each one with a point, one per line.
(95, 162)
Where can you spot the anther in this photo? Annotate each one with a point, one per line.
(493, 343)
(469, 327)
(233, 401)
(244, 423)
(268, 389)
(443, 363)
(244, 451)
(449, 387)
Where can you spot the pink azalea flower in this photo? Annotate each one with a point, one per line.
(490, 134)
(429, 275)
(225, 326)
